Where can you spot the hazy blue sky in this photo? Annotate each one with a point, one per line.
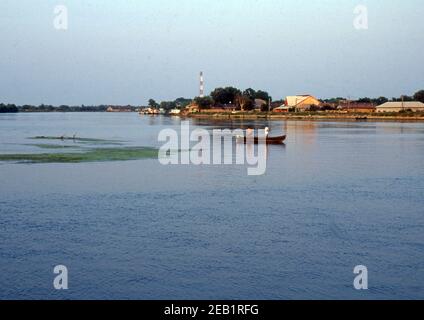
(124, 52)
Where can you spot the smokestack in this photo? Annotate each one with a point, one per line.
(202, 86)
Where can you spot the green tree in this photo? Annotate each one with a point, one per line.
(226, 95)
(419, 96)
(380, 100)
(253, 94)
(245, 102)
(334, 100)
(250, 93)
(403, 98)
(10, 108)
(262, 95)
(153, 104)
(203, 102)
(365, 100)
(219, 95)
(168, 105)
(182, 102)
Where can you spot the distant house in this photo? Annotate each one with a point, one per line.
(276, 104)
(191, 108)
(221, 108)
(358, 107)
(175, 112)
(259, 104)
(302, 102)
(281, 109)
(151, 111)
(399, 106)
(119, 109)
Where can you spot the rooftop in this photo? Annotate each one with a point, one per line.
(400, 104)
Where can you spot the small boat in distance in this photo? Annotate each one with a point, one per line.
(361, 118)
(269, 140)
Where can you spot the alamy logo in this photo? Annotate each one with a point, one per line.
(361, 20)
(217, 148)
(361, 280)
(61, 280)
(60, 21)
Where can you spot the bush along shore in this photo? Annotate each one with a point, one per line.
(387, 116)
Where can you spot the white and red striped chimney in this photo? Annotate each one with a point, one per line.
(202, 86)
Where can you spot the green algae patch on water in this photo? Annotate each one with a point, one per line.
(93, 155)
(80, 140)
(52, 146)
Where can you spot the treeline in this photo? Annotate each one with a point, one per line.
(179, 103)
(418, 96)
(62, 108)
(220, 97)
(242, 100)
(11, 108)
(246, 100)
(8, 108)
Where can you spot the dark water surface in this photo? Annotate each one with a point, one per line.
(338, 195)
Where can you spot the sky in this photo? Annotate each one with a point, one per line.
(125, 52)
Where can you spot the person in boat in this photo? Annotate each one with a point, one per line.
(266, 132)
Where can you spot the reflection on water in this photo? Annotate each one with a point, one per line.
(305, 130)
(339, 194)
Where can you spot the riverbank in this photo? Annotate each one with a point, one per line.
(313, 116)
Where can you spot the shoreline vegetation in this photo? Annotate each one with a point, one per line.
(232, 103)
(313, 116)
(297, 116)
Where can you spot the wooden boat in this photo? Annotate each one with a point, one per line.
(361, 118)
(269, 140)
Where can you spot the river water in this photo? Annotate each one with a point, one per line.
(337, 195)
